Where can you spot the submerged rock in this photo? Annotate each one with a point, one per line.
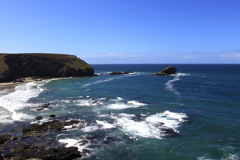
(167, 71)
(45, 106)
(139, 117)
(108, 140)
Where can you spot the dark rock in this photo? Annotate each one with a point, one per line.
(45, 106)
(108, 140)
(71, 101)
(95, 102)
(1, 158)
(127, 72)
(41, 65)
(166, 72)
(52, 115)
(83, 142)
(20, 128)
(38, 130)
(159, 125)
(138, 118)
(38, 151)
(39, 118)
(4, 138)
(118, 73)
(169, 131)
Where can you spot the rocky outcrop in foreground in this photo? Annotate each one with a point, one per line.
(39, 150)
(167, 71)
(14, 66)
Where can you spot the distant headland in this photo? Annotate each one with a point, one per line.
(43, 65)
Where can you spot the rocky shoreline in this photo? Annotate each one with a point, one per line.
(38, 140)
(32, 140)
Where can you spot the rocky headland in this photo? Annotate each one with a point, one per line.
(166, 72)
(41, 65)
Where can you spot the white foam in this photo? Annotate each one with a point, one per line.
(129, 104)
(18, 99)
(121, 106)
(179, 116)
(90, 128)
(142, 129)
(105, 125)
(169, 85)
(97, 82)
(116, 99)
(70, 142)
(180, 74)
(119, 98)
(136, 103)
(225, 157)
(88, 102)
(102, 81)
(151, 126)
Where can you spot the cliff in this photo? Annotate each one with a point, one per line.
(13, 66)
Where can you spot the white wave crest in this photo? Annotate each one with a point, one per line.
(105, 125)
(136, 103)
(79, 143)
(169, 85)
(152, 126)
(18, 99)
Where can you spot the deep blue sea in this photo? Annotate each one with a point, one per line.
(129, 114)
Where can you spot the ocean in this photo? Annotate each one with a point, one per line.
(193, 115)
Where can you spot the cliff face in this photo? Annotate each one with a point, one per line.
(13, 66)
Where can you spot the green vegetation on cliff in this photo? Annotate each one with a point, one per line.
(14, 66)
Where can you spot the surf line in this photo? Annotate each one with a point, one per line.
(169, 85)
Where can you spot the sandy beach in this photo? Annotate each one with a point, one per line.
(10, 85)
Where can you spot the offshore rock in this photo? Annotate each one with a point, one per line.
(167, 71)
(119, 73)
(17, 66)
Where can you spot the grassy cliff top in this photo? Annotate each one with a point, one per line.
(70, 61)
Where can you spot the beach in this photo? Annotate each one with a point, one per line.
(11, 85)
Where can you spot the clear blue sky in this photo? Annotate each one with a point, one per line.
(124, 31)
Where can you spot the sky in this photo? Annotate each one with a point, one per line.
(124, 31)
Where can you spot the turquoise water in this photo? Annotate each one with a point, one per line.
(201, 103)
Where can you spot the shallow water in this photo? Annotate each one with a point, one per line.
(201, 103)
